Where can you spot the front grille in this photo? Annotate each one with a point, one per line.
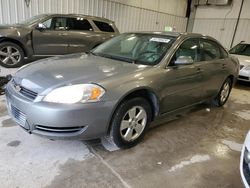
(58, 129)
(18, 116)
(28, 93)
(244, 77)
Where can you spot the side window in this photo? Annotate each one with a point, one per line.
(56, 23)
(210, 50)
(189, 49)
(103, 26)
(79, 24)
(48, 23)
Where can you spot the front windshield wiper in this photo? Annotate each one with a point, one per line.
(113, 57)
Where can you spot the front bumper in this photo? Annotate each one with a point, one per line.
(59, 121)
(244, 75)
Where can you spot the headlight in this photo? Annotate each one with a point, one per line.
(75, 93)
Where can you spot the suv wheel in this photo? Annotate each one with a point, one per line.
(130, 122)
(11, 55)
(223, 95)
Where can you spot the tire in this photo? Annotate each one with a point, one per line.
(11, 55)
(127, 111)
(224, 93)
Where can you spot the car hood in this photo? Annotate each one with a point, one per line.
(11, 26)
(44, 75)
(244, 60)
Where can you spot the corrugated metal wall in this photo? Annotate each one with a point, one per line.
(220, 29)
(223, 29)
(220, 22)
(127, 18)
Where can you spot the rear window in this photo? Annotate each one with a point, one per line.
(79, 24)
(103, 26)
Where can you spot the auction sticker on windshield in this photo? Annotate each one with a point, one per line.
(160, 40)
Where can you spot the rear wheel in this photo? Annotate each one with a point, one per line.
(130, 122)
(11, 55)
(223, 95)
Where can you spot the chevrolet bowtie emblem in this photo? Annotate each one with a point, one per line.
(17, 88)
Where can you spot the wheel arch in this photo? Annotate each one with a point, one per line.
(143, 92)
(6, 39)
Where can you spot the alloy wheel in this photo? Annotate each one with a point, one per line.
(10, 55)
(224, 92)
(133, 123)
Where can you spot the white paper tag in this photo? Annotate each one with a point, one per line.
(160, 40)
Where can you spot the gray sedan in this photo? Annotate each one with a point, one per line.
(121, 86)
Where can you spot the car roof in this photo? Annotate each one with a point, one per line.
(174, 34)
(83, 15)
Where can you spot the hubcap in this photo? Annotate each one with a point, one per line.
(225, 92)
(10, 55)
(133, 123)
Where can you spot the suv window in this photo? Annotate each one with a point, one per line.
(103, 26)
(189, 48)
(210, 50)
(79, 24)
(56, 23)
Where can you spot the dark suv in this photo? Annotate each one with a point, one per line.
(52, 34)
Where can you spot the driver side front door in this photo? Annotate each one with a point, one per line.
(52, 40)
(183, 85)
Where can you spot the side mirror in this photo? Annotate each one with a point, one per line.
(40, 26)
(184, 60)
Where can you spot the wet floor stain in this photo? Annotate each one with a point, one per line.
(244, 114)
(194, 159)
(232, 145)
(14, 143)
(8, 123)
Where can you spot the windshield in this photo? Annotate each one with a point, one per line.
(146, 49)
(241, 49)
(34, 19)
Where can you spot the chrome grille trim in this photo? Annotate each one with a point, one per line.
(31, 95)
(58, 129)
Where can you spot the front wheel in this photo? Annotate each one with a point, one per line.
(11, 55)
(130, 122)
(224, 93)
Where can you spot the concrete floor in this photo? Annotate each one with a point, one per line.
(199, 149)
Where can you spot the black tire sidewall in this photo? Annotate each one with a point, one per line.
(20, 63)
(117, 118)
